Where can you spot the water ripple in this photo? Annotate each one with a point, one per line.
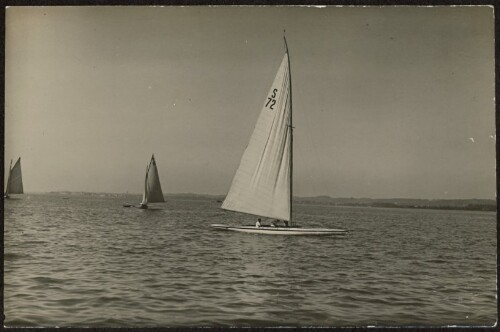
(88, 262)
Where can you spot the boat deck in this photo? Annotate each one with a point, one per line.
(280, 230)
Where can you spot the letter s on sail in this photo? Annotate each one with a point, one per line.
(274, 93)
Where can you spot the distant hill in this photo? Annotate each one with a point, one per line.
(83, 193)
(447, 204)
(196, 196)
(444, 204)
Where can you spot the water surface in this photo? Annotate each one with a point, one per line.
(87, 261)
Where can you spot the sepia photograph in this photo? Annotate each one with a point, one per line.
(249, 166)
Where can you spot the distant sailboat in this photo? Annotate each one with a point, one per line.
(152, 187)
(262, 185)
(15, 180)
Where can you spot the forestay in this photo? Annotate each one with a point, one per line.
(152, 187)
(261, 185)
(15, 181)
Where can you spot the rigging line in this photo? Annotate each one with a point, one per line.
(283, 83)
(9, 179)
(277, 119)
(284, 115)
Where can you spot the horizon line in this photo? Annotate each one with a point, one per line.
(295, 196)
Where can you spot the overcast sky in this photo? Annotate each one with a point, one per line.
(387, 101)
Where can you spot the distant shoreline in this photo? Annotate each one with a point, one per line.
(471, 204)
(406, 203)
(469, 207)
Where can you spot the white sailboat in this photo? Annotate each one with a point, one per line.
(152, 187)
(15, 180)
(263, 182)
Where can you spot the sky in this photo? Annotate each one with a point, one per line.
(388, 102)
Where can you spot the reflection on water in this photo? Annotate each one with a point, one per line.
(87, 261)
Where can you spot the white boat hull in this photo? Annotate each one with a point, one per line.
(280, 230)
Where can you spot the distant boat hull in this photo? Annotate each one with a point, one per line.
(280, 230)
(142, 207)
(12, 197)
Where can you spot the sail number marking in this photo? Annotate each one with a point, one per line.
(271, 101)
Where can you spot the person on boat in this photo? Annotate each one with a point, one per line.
(257, 224)
(285, 222)
(274, 222)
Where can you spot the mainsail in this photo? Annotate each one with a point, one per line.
(15, 181)
(152, 187)
(262, 183)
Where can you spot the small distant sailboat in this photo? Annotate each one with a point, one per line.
(152, 187)
(262, 185)
(15, 180)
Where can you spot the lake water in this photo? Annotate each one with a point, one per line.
(87, 261)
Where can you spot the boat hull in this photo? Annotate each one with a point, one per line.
(280, 230)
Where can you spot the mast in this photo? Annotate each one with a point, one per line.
(8, 180)
(145, 195)
(291, 128)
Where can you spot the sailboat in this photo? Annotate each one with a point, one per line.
(262, 185)
(15, 179)
(152, 187)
